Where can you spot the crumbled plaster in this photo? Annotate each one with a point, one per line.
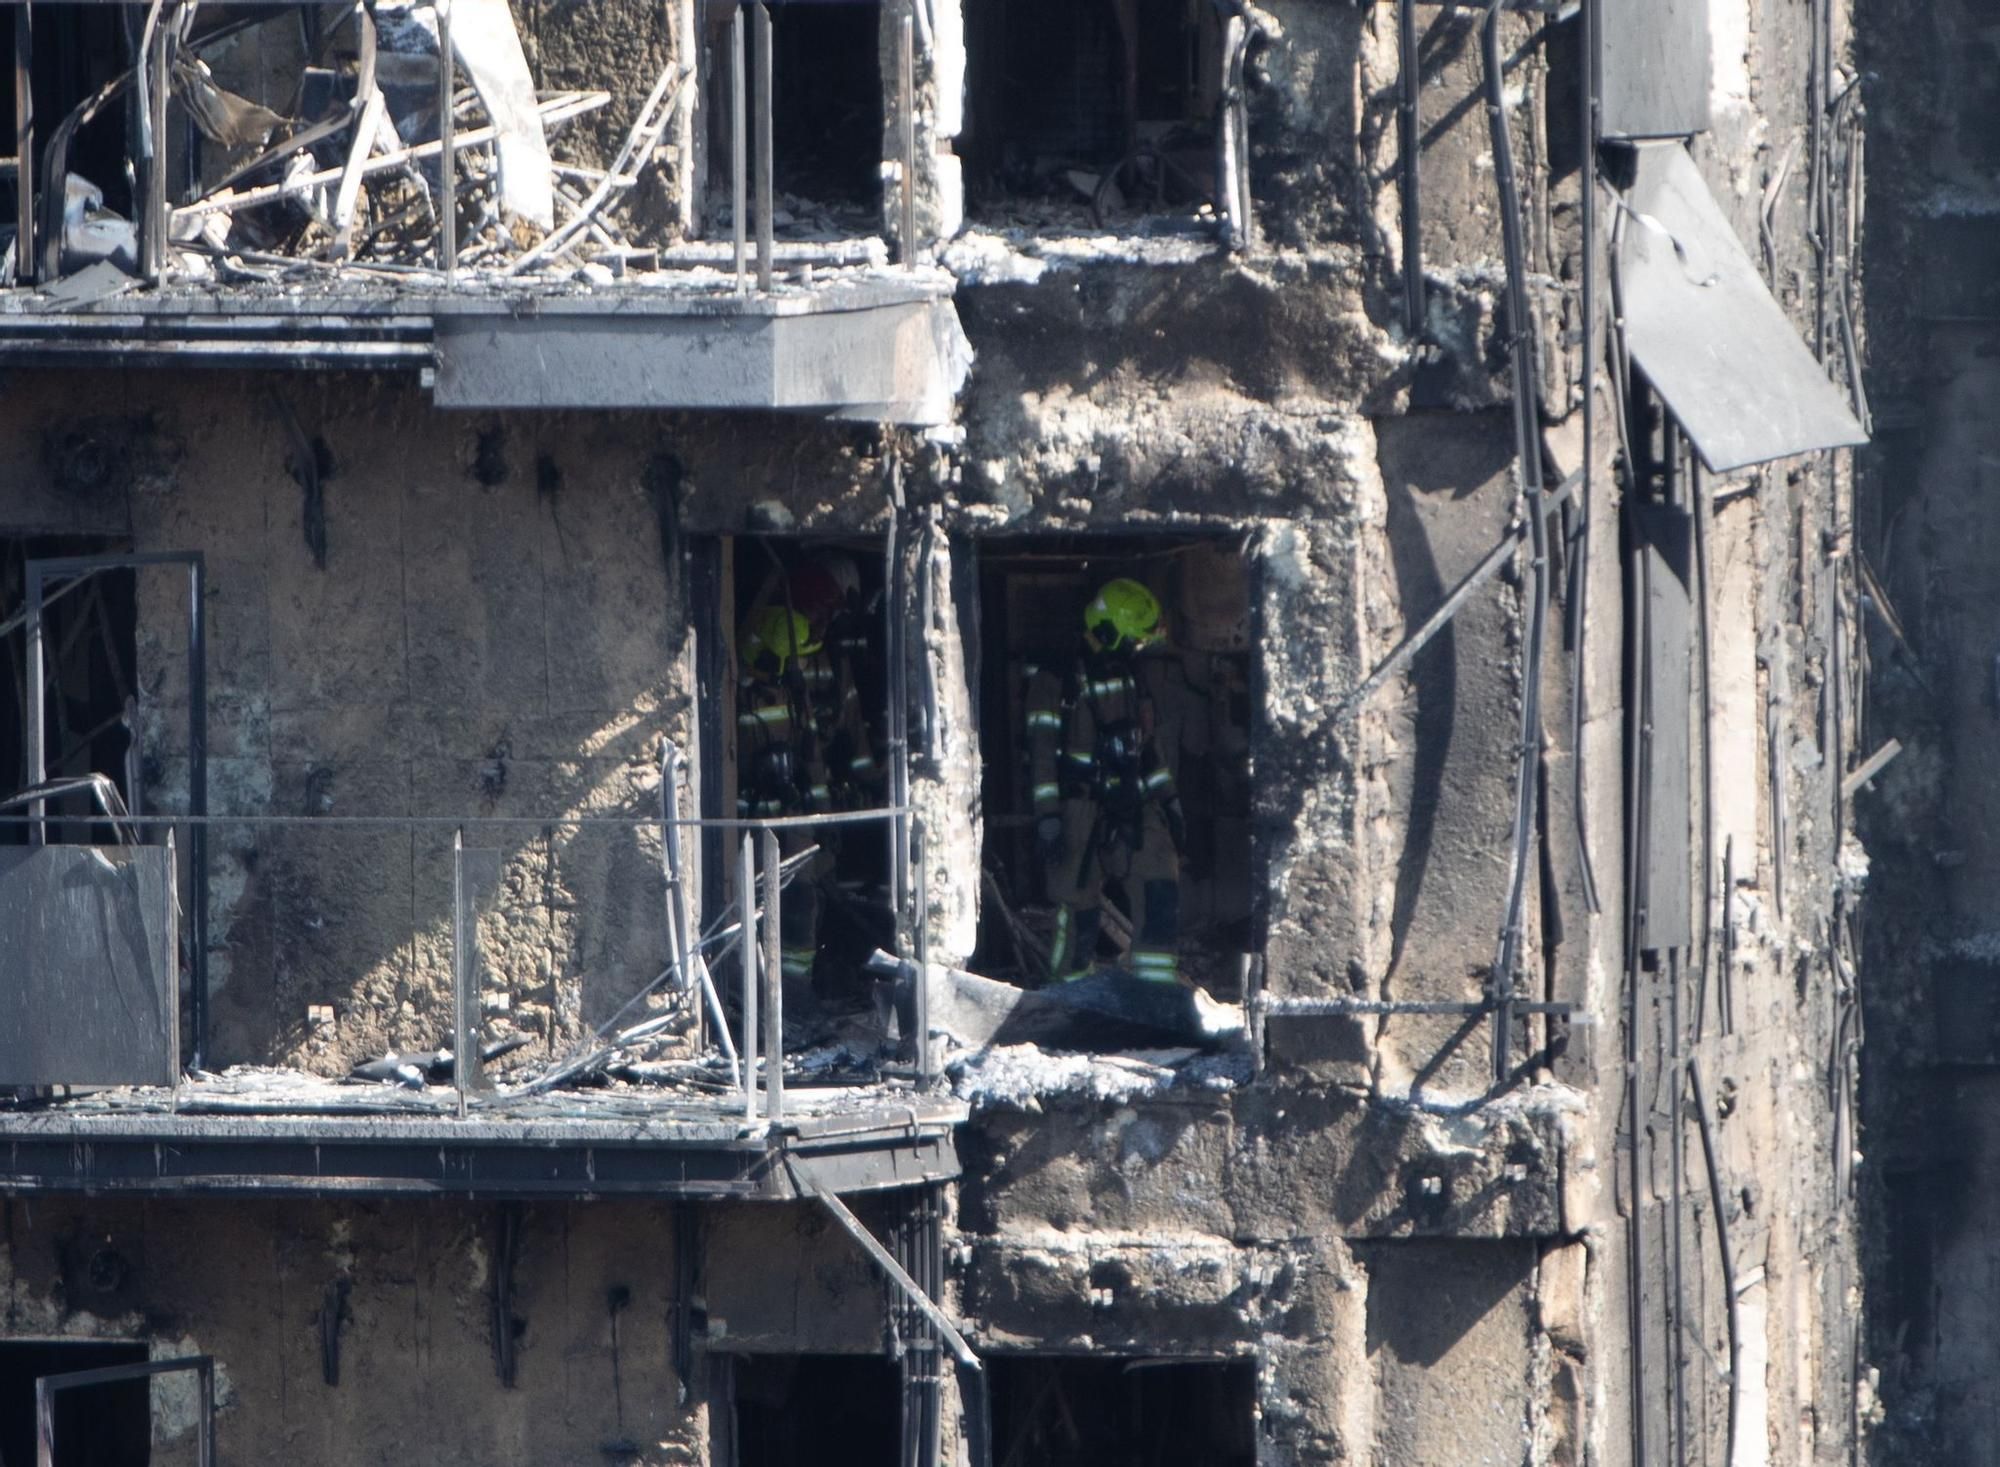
(1022, 1076)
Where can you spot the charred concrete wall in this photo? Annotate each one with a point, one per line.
(1427, 1265)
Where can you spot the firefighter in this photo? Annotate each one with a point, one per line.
(1104, 798)
(826, 591)
(781, 765)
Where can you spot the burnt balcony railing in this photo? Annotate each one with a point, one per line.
(92, 907)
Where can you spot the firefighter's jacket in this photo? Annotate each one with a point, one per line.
(802, 742)
(1095, 736)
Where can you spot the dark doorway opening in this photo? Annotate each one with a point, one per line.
(76, 50)
(802, 736)
(1063, 1411)
(1193, 717)
(828, 113)
(1092, 105)
(96, 1426)
(815, 1410)
(90, 653)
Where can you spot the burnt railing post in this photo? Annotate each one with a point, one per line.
(774, 983)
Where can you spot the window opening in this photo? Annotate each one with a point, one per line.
(90, 636)
(1073, 1411)
(827, 120)
(808, 734)
(810, 1410)
(1093, 112)
(1117, 790)
(106, 1425)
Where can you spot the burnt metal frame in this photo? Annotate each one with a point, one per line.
(153, 63)
(374, 1156)
(203, 1367)
(39, 574)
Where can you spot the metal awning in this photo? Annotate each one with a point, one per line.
(1653, 61)
(1710, 338)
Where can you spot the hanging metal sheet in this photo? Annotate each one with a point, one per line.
(1654, 62)
(89, 996)
(1716, 346)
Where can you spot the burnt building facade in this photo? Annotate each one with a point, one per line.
(414, 418)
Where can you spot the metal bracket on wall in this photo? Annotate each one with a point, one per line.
(1502, 1012)
(972, 1384)
(506, 1328)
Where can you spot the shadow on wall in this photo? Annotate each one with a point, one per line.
(1428, 1299)
(567, 919)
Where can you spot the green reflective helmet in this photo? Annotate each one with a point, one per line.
(1123, 614)
(774, 636)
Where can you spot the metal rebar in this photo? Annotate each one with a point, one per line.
(502, 822)
(1705, 727)
(153, 228)
(1580, 558)
(681, 924)
(1409, 141)
(1315, 1008)
(447, 159)
(921, 1006)
(174, 1067)
(36, 677)
(746, 953)
(198, 800)
(1676, 1311)
(461, 1027)
(24, 144)
(1528, 483)
(1637, 1158)
(774, 983)
(1407, 650)
(810, 1185)
(764, 147)
(739, 140)
(1717, 1205)
(906, 108)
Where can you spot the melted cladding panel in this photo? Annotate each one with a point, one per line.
(87, 996)
(1709, 336)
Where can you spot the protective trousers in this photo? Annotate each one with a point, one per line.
(798, 912)
(1139, 854)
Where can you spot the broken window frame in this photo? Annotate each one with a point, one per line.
(1230, 194)
(736, 78)
(202, 1367)
(976, 551)
(39, 574)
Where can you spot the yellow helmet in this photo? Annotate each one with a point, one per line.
(772, 637)
(1122, 613)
